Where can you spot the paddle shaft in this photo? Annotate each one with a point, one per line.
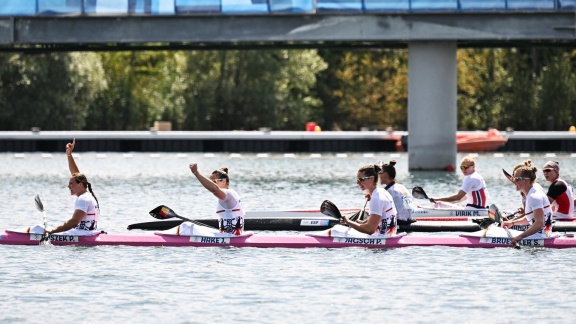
(40, 206)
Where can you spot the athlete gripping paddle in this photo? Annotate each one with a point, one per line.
(538, 214)
(382, 219)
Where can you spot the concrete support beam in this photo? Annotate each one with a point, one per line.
(432, 88)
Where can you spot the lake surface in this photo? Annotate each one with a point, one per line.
(199, 285)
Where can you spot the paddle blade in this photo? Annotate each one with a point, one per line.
(162, 212)
(508, 176)
(329, 209)
(419, 193)
(39, 204)
(495, 214)
(359, 215)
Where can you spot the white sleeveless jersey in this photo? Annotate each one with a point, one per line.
(230, 213)
(87, 203)
(382, 204)
(402, 200)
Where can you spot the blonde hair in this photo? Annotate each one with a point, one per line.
(527, 170)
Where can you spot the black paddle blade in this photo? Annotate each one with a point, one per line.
(419, 193)
(329, 209)
(508, 176)
(162, 212)
(359, 215)
(39, 204)
(495, 214)
(156, 226)
(484, 222)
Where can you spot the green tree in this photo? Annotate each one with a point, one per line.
(234, 89)
(51, 91)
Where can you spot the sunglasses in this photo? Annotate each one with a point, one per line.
(516, 179)
(363, 178)
(464, 167)
(547, 170)
(219, 179)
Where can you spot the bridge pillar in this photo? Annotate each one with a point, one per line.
(432, 88)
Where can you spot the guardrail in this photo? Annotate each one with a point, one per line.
(191, 7)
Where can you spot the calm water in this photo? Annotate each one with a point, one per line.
(198, 285)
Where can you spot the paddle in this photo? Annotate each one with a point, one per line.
(165, 212)
(419, 193)
(495, 214)
(40, 206)
(361, 213)
(508, 176)
(156, 226)
(329, 209)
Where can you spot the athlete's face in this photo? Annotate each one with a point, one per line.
(218, 180)
(522, 183)
(366, 183)
(550, 174)
(467, 168)
(76, 189)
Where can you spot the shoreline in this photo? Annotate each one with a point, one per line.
(263, 141)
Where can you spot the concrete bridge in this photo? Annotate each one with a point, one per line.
(432, 30)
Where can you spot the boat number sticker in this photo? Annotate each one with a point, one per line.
(210, 240)
(314, 222)
(507, 241)
(55, 238)
(358, 240)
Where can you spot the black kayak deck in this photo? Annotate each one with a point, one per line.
(306, 224)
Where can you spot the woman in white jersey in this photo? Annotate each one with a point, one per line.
(382, 219)
(538, 212)
(229, 207)
(402, 198)
(86, 209)
(473, 189)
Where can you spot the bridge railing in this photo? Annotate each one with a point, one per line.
(191, 7)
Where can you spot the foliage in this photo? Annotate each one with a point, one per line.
(522, 88)
(51, 91)
(251, 89)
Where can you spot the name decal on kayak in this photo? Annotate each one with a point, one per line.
(357, 240)
(55, 238)
(467, 213)
(210, 240)
(314, 222)
(507, 241)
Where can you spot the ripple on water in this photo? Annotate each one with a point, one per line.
(160, 284)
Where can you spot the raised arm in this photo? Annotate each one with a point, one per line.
(71, 163)
(207, 183)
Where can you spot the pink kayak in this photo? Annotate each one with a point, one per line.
(282, 241)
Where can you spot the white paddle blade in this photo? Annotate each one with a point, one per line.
(39, 204)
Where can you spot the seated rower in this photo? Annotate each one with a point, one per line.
(559, 193)
(401, 196)
(229, 207)
(538, 212)
(473, 189)
(86, 210)
(382, 218)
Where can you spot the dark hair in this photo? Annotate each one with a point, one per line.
(222, 173)
(389, 168)
(81, 178)
(371, 170)
(527, 170)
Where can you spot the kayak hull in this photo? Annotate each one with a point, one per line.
(278, 241)
(424, 224)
